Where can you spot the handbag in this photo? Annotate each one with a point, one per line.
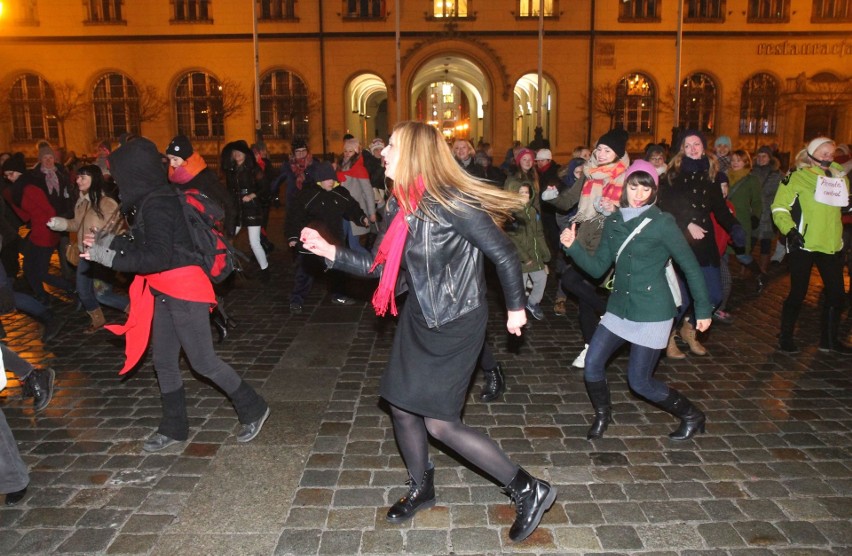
(72, 253)
(671, 275)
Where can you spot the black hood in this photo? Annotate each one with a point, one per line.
(227, 164)
(138, 170)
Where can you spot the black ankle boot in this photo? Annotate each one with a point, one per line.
(599, 395)
(532, 497)
(830, 332)
(221, 325)
(420, 496)
(39, 385)
(692, 420)
(495, 384)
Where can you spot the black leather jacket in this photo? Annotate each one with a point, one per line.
(444, 257)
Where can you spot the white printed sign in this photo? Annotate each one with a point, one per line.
(831, 191)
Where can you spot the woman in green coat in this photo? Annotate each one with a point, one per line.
(746, 195)
(641, 308)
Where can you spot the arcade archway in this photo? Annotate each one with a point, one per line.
(367, 107)
(527, 108)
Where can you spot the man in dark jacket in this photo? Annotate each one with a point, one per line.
(170, 296)
(322, 205)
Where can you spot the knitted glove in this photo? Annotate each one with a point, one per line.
(795, 240)
(100, 254)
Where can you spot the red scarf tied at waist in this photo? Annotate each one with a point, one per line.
(390, 253)
(187, 282)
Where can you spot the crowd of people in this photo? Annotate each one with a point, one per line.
(647, 246)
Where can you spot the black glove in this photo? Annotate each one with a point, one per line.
(755, 222)
(738, 236)
(794, 240)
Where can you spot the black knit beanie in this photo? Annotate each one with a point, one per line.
(615, 139)
(15, 163)
(180, 147)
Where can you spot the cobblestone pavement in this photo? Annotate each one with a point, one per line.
(772, 475)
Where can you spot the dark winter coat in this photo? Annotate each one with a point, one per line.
(245, 179)
(324, 211)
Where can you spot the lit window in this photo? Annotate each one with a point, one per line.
(639, 10)
(759, 105)
(198, 104)
(635, 105)
(364, 9)
(768, 11)
(116, 103)
(189, 11)
(283, 105)
(529, 8)
(276, 9)
(698, 102)
(450, 8)
(104, 11)
(832, 11)
(33, 108)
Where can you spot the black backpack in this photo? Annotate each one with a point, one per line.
(205, 222)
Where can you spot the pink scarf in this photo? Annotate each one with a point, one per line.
(390, 253)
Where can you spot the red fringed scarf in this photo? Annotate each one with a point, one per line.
(390, 253)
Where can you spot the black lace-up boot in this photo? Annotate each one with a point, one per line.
(532, 497)
(420, 496)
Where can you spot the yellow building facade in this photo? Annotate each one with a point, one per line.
(760, 71)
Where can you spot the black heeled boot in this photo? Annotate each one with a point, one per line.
(495, 384)
(420, 496)
(221, 325)
(692, 420)
(599, 395)
(830, 332)
(532, 497)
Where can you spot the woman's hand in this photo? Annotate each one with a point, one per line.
(315, 243)
(516, 321)
(568, 235)
(89, 237)
(696, 231)
(607, 205)
(702, 324)
(248, 198)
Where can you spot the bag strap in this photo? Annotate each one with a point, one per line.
(635, 231)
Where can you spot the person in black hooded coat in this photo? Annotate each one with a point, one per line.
(170, 296)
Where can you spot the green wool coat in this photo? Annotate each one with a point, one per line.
(747, 197)
(640, 292)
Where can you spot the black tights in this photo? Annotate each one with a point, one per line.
(412, 430)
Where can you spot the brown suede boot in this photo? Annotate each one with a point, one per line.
(688, 333)
(98, 321)
(672, 351)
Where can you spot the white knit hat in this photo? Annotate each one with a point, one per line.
(817, 143)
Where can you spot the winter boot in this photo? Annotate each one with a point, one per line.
(691, 418)
(532, 497)
(688, 333)
(672, 351)
(789, 315)
(495, 384)
(252, 411)
(98, 321)
(39, 385)
(174, 425)
(221, 325)
(420, 496)
(599, 395)
(830, 332)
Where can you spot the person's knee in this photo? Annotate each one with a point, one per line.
(439, 429)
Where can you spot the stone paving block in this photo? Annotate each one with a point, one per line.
(8, 539)
(426, 541)
(760, 533)
(671, 536)
(761, 509)
(340, 542)
(104, 517)
(226, 544)
(351, 518)
(838, 507)
(720, 535)
(622, 512)
(382, 542)
(313, 497)
(576, 539)
(307, 518)
(618, 537)
(51, 517)
(147, 523)
(40, 541)
(802, 533)
(87, 541)
(467, 515)
(804, 508)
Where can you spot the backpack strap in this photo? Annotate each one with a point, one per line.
(635, 231)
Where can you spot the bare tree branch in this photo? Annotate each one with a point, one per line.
(234, 98)
(152, 104)
(69, 103)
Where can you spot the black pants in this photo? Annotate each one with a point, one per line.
(830, 267)
(592, 306)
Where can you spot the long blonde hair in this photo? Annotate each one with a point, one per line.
(423, 153)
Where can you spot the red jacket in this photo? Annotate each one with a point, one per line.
(36, 209)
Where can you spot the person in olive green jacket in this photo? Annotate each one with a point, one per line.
(807, 210)
(641, 308)
(527, 233)
(746, 195)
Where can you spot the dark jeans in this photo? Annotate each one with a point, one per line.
(592, 306)
(830, 269)
(306, 269)
(23, 302)
(713, 281)
(640, 368)
(37, 271)
(91, 299)
(15, 363)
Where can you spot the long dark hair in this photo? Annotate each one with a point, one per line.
(96, 190)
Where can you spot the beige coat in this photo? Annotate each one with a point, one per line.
(85, 217)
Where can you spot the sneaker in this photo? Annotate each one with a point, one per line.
(723, 317)
(535, 311)
(295, 308)
(249, 431)
(157, 442)
(580, 361)
(559, 308)
(342, 300)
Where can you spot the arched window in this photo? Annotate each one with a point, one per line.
(698, 102)
(635, 104)
(33, 107)
(198, 104)
(283, 105)
(759, 105)
(116, 103)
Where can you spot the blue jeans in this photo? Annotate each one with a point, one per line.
(352, 239)
(640, 368)
(23, 302)
(713, 280)
(90, 297)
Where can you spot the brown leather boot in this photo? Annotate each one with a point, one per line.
(688, 333)
(98, 321)
(672, 351)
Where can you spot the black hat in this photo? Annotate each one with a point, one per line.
(15, 163)
(180, 147)
(615, 139)
(325, 171)
(299, 143)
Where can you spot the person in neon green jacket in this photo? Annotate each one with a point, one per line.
(807, 210)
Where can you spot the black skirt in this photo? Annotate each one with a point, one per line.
(430, 369)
